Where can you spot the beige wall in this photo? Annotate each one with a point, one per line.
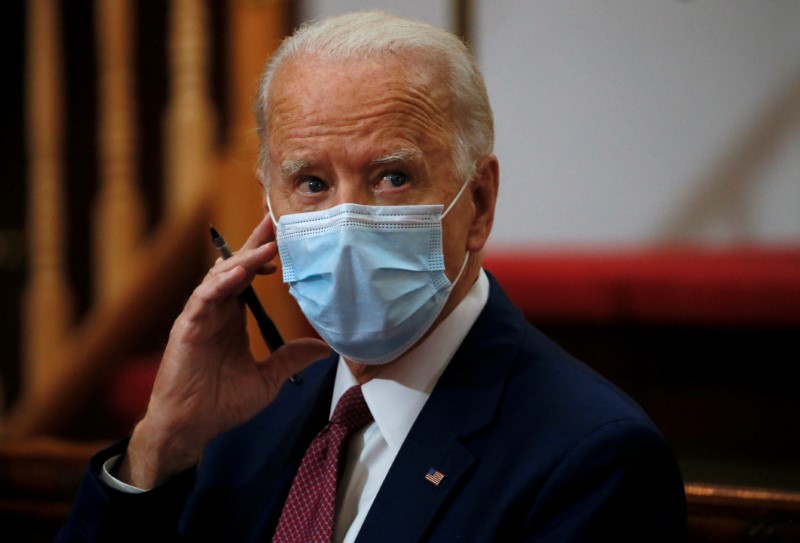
(627, 122)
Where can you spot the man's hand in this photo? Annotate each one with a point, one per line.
(208, 381)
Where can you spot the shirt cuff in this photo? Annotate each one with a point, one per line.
(113, 482)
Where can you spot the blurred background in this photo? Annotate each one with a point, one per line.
(648, 220)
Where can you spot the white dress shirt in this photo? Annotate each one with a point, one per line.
(395, 396)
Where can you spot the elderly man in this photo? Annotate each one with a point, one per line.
(451, 418)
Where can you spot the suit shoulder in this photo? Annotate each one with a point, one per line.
(576, 398)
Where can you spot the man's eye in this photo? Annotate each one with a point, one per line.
(314, 185)
(396, 179)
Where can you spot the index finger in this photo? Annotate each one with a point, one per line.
(263, 233)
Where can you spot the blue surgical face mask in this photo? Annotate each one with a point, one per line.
(370, 279)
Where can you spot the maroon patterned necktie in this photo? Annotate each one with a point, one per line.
(307, 516)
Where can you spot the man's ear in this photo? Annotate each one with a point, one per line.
(483, 190)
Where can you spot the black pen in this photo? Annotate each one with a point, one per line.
(268, 330)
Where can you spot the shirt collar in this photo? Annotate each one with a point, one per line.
(398, 392)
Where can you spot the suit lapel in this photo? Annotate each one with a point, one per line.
(284, 445)
(463, 402)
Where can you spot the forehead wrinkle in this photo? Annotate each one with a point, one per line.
(411, 109)
(422, 107)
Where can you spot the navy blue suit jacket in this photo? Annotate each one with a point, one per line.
(533, 445)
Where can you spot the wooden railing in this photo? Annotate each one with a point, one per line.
(135, 275)
(724, 514)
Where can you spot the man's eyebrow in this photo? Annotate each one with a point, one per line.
(291, 166)
(397, 156)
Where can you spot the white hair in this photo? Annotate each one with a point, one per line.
(366, 34)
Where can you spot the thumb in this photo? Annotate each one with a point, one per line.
(292, 358)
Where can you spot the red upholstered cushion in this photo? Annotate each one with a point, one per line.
(128, 390)
(742, 286)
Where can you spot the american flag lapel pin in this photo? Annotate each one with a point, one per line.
(434, 476)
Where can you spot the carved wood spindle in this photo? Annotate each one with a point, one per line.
(119, 218)
(190, 115)
(48, 301)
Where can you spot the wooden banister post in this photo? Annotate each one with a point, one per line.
(190, 117)
(47, 305)
(119, 217)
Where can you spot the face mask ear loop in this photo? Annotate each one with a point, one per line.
(460, 192)
(446, 211)
(271, 216)
(461, 271)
